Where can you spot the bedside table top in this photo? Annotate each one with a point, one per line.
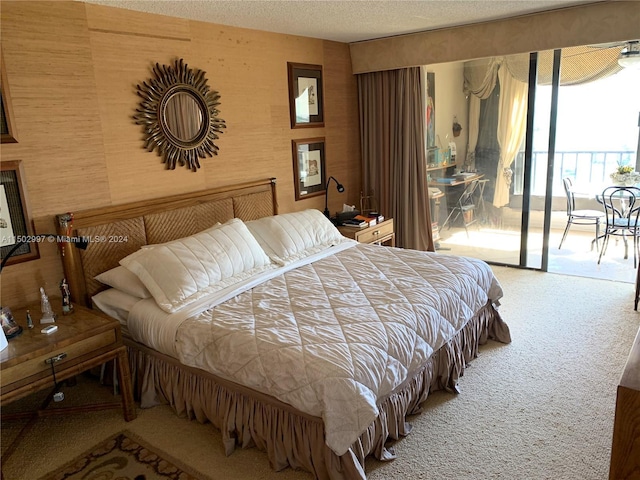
(84, 340)
(83, 323)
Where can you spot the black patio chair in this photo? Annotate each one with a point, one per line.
(622, 214)
(580, 217)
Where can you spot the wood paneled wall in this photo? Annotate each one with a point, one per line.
(73, 69)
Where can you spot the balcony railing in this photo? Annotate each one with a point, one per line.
(583, 168)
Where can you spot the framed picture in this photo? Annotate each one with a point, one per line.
(15, 219)
(308, 167)
(306, 95)
(7, 128)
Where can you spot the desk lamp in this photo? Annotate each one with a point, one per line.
(340, 189)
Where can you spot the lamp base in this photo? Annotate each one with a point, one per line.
(327, 213)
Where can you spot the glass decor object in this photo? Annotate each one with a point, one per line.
(10, 328)
(45, 307)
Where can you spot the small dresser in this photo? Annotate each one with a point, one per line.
(381, 234)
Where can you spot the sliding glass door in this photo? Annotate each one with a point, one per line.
(506, 224)
(534, 120)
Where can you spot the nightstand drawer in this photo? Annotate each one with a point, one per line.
(73, 352)
(375, 233)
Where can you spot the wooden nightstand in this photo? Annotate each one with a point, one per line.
(84, 340)
(380, 234)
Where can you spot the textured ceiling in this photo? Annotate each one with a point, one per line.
(343, 21)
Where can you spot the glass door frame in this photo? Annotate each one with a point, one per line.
(528, 155)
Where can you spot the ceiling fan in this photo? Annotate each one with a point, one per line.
(629, 55)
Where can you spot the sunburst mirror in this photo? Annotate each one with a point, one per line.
(179, 113)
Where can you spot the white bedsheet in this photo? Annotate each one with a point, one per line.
(331, 337)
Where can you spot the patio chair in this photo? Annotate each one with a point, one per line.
(580, 217)
(622, 214)
(464, 207)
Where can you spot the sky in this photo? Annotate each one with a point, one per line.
(597, 116)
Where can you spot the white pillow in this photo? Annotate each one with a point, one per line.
(292, 236)
(125, 281)
(178, 273)
(115, 303)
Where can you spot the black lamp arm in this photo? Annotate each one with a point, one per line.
(340, 189)
(79, 242)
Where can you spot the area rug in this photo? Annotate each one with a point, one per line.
(125, 456)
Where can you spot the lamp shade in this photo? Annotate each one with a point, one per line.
(3, 341)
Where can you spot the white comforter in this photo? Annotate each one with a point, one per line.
(333, 336)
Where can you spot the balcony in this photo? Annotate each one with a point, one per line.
(496, 237)
(583, 168)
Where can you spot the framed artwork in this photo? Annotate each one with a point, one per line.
(15, 221)
(308, 167)
(7, 128)
(306, 95)
(431, 110)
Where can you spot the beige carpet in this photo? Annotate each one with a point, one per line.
(539, 408)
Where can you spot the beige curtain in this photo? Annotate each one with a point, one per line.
(512, 124)
(392, 136)
(579, 65)
(481, 76)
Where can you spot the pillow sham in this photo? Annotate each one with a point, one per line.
(292, 236)
(125, 281)
(180, 272)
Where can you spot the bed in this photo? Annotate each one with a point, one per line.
(276, 329)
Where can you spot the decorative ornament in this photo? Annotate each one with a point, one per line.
(179, 113)
(456, 128)
(45, 307)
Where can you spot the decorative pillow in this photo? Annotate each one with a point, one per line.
(125, 281)
(178, 273)
(292, 236)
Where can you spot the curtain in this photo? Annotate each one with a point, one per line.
(480, 78)
(581, 64)
(393, 145)
(512, 124)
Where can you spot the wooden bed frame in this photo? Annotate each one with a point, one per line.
(245, 417)
(115, 232)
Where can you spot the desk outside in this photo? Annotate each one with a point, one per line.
(455, 181)
(452, 190)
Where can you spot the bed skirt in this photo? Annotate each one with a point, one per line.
(292, 438)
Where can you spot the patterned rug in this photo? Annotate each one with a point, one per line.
(125, 457)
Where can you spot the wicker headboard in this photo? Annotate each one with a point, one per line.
(115, 232)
